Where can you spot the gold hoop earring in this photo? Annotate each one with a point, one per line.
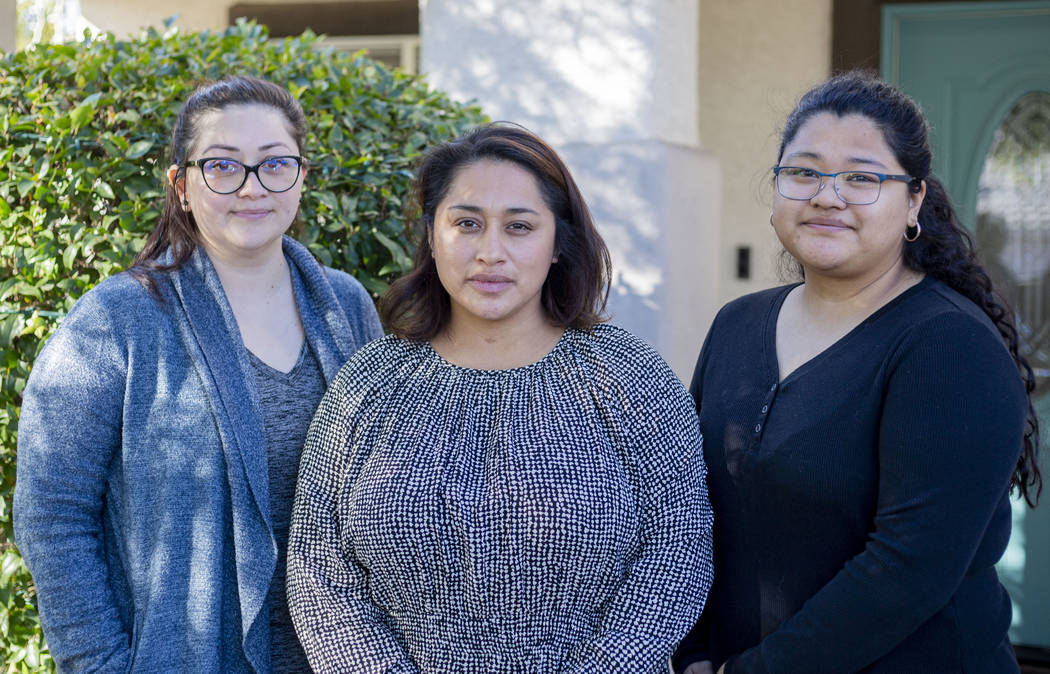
(918, 230)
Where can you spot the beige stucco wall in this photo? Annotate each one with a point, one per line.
(7, 25)
(756, 58)
(613, 87)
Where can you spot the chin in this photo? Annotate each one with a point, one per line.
(820, 258)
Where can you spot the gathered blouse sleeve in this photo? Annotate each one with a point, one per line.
(666, 584)
(337, 623)
(949, 439)
(694, 646)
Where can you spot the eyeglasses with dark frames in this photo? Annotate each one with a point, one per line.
(224, 175)
(853, 187)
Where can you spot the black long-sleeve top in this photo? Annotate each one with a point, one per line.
(861, 503)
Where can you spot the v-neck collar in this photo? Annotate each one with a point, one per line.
(773, 363)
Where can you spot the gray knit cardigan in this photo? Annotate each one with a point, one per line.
(141, 506)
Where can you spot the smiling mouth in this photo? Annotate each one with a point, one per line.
(252, 214)
(826, 226)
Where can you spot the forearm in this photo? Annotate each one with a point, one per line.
(665, 588)
(339, 626)
(58, 527)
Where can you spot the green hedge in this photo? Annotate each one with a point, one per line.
(83, 145)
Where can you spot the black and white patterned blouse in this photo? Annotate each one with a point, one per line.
(547, 518)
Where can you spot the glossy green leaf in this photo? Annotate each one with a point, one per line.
(104, 190)
(138, 149)
(69, 255)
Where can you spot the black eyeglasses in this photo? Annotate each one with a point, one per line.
(223, 175)
(854, 187)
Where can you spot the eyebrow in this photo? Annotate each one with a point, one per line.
(849, 160)
(231, 148)
(514, 210)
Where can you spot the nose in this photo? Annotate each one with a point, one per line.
(490, 246)
(827, 195)
(252, 187)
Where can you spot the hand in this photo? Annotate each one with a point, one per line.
(702, 667)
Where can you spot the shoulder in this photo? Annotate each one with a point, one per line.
(641, 395)
(935, 299)
(944, 336)
(370, 382)
(356, 303)
(618, 347)
(741, 325)
(119, 304)
(624, 364)
(95, 340)
(378, 365)
(346, 287)
(936, 315)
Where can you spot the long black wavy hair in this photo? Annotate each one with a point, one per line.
(945, 249)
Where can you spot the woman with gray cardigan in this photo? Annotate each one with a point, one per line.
(162, 425)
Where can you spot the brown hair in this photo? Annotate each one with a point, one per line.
(177, 229)
(417, 307)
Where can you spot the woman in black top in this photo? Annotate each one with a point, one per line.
(863, 428)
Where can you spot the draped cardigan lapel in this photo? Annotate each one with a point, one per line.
(213, 340)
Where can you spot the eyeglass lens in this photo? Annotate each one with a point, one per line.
(854, 187)
(276, 174)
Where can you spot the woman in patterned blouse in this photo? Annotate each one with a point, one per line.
(505, 484)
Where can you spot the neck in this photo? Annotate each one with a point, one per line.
(828, 293)
(260, 273)
(496, 345)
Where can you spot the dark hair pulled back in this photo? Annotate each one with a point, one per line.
(176, 228)
(945, 250)
(417, 306)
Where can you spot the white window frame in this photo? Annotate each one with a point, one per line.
(407, 47)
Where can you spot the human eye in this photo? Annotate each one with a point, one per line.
(860, 178)
(277, 164)
(221, 166)
(519, 227)
(799, 173)
(468, 224)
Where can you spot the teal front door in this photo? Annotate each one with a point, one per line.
(981, 71)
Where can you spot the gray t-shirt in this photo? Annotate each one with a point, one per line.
(288, 401)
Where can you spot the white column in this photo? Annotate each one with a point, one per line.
(8, 25)
(613, 87)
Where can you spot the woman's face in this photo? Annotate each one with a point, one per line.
(249, 222)
(493, 244)
(825, 234)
